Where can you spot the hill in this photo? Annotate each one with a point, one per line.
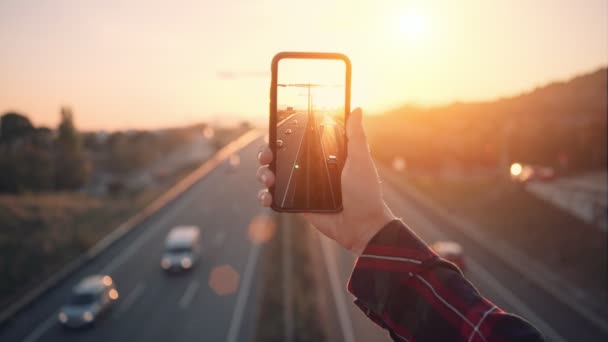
(561, 124)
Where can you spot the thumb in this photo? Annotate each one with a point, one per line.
(354, 130)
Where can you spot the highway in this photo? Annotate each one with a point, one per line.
(156, 307)
(306, 178)
(491, 276)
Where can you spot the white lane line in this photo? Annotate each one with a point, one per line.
(514, 301)
(287, 268)
(186, 299)
(219, 238)
(293, 168)
(430, 230)
(141, 240)
(338, 291)
(41, 329)
(121, 258)
(245, 288)
(130, 299)
(331, 188)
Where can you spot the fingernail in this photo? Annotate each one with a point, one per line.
(259, 155)
(264, 178)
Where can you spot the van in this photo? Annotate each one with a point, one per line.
(182, 248)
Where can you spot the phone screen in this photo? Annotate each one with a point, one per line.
(309, 134)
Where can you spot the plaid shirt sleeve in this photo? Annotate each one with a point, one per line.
(405, 288)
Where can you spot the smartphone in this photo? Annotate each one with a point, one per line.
(309, 105)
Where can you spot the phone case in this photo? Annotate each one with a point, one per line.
(273, 112)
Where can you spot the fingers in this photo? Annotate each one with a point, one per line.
(354, 127)
(265, 156)
(264, 198)
(265, 176)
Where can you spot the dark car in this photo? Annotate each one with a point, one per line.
(92, 297)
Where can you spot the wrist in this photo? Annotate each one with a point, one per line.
(370, 228)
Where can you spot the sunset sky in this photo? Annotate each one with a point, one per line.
(148, 64)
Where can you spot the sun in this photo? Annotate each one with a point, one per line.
(413, 25)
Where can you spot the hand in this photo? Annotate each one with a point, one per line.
(365, 212)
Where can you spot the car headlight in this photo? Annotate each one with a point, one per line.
(186, 262)
(165, 263)
(62, 317)
(87, 316)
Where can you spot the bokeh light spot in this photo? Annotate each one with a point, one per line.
(399, 164)
(261, 229)
(224, 280)
(234, 160)
(516, 169)
(208, 132)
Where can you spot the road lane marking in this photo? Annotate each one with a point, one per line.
(122, 257)
(292, 168)
(139, 242)
(243, 295)
(514, 301)
(186, 299)
(431, 231)
(534, 270)
(116, 262)
(41, 329)
(287, 268)
(337, 289)
(331, 186)
(179, 197)
(280, 123)
(130, 299)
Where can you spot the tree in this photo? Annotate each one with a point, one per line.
(14, 126)
(71, 169)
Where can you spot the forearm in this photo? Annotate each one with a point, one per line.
(403, 286)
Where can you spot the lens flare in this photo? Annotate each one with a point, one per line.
(224, 280)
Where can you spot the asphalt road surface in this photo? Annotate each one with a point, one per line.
(309, 161)
(491, 276)
(154, 306)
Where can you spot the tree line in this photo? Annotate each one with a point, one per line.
(39, 158)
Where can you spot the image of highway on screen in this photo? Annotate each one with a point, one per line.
(310, 142)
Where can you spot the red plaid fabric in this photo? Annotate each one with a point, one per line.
(407, 289)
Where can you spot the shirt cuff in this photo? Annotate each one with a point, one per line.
(391, 259)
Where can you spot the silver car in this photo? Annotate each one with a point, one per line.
(182, 248)
(332, 162)
(93, 296)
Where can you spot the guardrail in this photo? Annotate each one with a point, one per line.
(129, 225)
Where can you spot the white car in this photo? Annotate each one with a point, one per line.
(332, 162)
(182, 248)
(451, 251)
(93, 296)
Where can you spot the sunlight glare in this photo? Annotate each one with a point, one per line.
(413, 25)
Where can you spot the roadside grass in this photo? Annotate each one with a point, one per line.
(506, 212)
(42, 232)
